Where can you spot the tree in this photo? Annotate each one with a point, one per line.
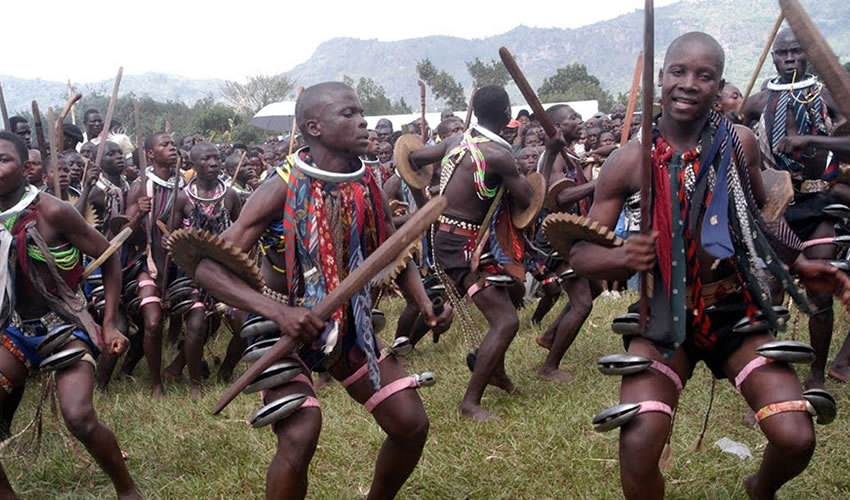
(623, 98)
(442, 85)
(494, 73)
(259, 91)
(374, 99)
(574, 83)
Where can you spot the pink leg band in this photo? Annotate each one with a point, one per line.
(144, 283)
(551, 279)
(818, 241)
(388, 390)
(354, 377)
(301, 377)
(196, 305)
(310, 402)
(475, 288)
(775, 408)
(149, 300)
(655, 406)
(669, 373)
(747, 370)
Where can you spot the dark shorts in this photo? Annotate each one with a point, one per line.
(805, 214)
(723, 318)
(451, 256)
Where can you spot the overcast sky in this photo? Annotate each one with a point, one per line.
(87, 41)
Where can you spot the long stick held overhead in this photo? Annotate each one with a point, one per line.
(630, 109)
(380, 258)
(646, 143)
(60, 132)
(140, 139)
(54, 152)
(468, 119)
(39, 131)
(819, 53)
(107, 122)
(764, 53)
(6, 125)
(423, 130)
(70, 93)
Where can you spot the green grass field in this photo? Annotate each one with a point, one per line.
(542, 446)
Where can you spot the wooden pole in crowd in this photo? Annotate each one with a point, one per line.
(39, 131)
(54, 152)
(468, 119)
(646, 144)
(630, 110)
(140, 146)
(763, 56)
(6, 125)
(292, 126)
(423, 130)
(239, 167)
(60, 132)
(101, 148)
(73, 114)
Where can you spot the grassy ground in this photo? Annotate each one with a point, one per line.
(542, 447)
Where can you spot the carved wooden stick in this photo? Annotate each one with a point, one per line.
(54, 152)
(238, 168)
(70, 93)
(763, 56)
(140, 144)
(646, 144)
(114, 245)
(423, 131)
(291, 129)
(107, 122)
(6, 125)
(39, 131)
(630, 109)
(530, 96)
(60, 132)
(383, 256)
(819, 53)
(468, 119)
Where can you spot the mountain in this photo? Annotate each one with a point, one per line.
(608, 48)
(20, 92)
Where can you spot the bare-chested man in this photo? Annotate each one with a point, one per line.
(475, 166)
(708, 302)
(794, 114)
(329, 169)
(50, 238)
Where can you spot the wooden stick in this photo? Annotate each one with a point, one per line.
(763, 56)
(60, 132)
(6, 125)
(291, 129)
(172, 220)
(39, 131)
(819, 53)
(422, 130)
(468, 119)
(140, 146)
(167, 127)
(530, 96)
(238, 168)
(630, 110)
(380, 258)
(70, 93)
(114, 245)
(646, 144)
(101, 148)
(54, 152)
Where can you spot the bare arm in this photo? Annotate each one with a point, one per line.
(503, 164)
(234, 202)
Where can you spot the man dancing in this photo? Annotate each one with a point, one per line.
(327, 184)
(50, 327)
(709, 300)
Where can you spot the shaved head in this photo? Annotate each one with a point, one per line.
(312, 101)
(784, 35)
(697, 40)
(201, 148)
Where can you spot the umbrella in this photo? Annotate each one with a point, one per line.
(276, 116)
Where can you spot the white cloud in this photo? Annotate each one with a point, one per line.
(88, 41)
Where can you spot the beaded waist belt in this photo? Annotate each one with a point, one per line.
(445, 219)
(37, 326)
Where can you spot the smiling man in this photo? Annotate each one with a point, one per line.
(705, 259)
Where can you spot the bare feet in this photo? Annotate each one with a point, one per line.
(839, 373)
(157, 391)
(130, 495)
(555, 375)
(503, 382)
(814, 381)
(476, 412)
(195, 392)
(751, 485)
(543, 342)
